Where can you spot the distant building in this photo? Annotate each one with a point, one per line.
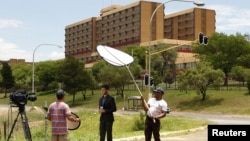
(119, 26)
(15, 61)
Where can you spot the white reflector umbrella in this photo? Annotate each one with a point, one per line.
(117, 58)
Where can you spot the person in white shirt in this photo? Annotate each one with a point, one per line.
(156, 108)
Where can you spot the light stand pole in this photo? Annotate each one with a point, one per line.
(33, 66)
(150, 36)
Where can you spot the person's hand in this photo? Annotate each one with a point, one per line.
(77, 120)
(155, 117)
(101, 110)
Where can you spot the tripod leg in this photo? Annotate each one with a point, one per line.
(26, 127)
(13, 127)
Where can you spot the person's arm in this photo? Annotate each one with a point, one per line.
(71, 118)
(164, 107)
(144, 104)
(162, 115)
(111, 106)
(48, 116)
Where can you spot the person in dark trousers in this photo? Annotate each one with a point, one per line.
(107, 106)
(156, 108)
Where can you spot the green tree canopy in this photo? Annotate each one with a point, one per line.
(199, 78)
(72, 76)
(224, 52)
(22, 74)
(139, 53)
(163, 63)
(46, 73)
(8, 80)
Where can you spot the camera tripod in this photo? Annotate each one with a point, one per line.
(24, 118)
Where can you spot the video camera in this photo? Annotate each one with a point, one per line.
(21, 97)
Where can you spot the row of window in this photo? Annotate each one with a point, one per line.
(85, 38)
(109, 22)
(77, 27)
(77, 45)
(185, 65)
(110, 42)
(122, 12)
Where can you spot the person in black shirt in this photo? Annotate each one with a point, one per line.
(107, 106)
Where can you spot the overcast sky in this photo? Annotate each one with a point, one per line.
(24, 25)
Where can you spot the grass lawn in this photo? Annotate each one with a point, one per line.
(222, 101)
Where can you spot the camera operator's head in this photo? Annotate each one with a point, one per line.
(60, 94)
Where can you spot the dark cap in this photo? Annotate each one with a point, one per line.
(60, 92)
(105, 86)
(159, 90)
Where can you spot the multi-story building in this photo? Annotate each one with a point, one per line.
(187, 24)
(120, 26)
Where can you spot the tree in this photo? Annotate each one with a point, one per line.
(247, 78)
(117, 77)
(167, 59)
(72, 75)
(163, 64)
(139, 53)
(46, 73)
(22, 75)
(224, 52)
(97, 67)
(238, 73)
(89, 83)
(169, 78)
(199, 78)
(7, 77)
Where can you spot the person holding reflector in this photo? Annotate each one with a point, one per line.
(156, 108)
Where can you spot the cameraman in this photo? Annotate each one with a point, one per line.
(58, 113)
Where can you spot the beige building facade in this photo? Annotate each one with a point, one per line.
(187, 24)
(119, 26)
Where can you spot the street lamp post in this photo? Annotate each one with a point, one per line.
(150, 31)
(33, 63)
(33, 68)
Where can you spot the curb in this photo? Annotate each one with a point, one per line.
(165, 134)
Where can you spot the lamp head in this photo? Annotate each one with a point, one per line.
(199, 3)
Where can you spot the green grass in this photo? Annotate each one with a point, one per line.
(222, 101)
(233, 101)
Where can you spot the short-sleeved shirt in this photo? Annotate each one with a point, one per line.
(58, 111)
(156, 107)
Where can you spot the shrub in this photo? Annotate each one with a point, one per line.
(139, 122)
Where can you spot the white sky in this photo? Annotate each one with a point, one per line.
(26, 24)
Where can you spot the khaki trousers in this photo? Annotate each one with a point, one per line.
(60, 137)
